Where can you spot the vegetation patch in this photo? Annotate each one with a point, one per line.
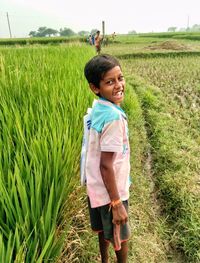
(40, 41)
(175, 171)
(168, 54)
(41, 106)
(169, 45)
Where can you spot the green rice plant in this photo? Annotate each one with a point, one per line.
(43, 96)
(41, 40)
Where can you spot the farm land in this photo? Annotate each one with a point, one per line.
(43, 96)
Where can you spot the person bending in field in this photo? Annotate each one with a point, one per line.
(107, 163)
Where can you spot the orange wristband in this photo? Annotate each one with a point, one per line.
(115, 203)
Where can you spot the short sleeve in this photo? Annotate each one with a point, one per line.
(111, 139)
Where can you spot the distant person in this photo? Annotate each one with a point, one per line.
(108, 157)
(93, 39)
(90, 39)
(113, 35)
(97, 42)
(105, 40)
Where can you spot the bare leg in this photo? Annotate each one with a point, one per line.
(103, 246)
(122, 254)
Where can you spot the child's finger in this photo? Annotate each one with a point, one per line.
(116, 235)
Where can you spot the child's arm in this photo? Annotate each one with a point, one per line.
(106, 167)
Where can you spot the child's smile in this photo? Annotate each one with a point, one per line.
(112, 86)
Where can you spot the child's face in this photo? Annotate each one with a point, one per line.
(112, 86)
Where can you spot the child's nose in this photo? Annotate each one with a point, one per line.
(118, 84)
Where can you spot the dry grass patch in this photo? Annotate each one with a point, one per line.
(169, 45)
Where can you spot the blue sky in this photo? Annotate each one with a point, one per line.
(119, 16)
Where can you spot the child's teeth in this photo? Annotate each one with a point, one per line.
(119, 93)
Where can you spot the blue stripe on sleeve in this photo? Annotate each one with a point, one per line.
(103, 114)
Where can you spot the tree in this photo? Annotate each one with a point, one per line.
(132, 32)
(172, 29)
(66, 32)
(43, 32)
(93, 31)
(183, 29)
(32, 34)
(50, 32)
(195, 28)
(83, 33)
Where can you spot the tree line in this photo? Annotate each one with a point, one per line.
(48, 32)
(68, 32)
(194, 28)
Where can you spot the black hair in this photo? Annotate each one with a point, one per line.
(96, 68)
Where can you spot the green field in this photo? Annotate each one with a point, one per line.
(43, 96)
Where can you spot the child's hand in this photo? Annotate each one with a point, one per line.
(120, 215)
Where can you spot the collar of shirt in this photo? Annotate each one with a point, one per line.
(109, 103)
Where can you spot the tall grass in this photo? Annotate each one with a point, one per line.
(43, 95)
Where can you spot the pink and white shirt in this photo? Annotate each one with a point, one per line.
(108, 133)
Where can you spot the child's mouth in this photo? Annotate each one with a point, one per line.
(119, 94)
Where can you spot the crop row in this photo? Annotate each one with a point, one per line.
(40, 40)
(174, 35)
(178, 79)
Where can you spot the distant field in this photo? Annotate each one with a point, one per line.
(120, 39)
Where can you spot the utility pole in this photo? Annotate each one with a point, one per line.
(103, 28)
(188, 22)
(9, 25)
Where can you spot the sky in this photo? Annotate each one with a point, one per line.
(120, 16)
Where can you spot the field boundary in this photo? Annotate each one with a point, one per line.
(159, 54)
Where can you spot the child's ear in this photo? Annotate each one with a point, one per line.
(94, 88)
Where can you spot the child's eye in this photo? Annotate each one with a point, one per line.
(121, 78)
(109, 82)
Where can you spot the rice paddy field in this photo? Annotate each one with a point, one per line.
(43, 96)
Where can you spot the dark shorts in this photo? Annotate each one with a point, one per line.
(101, 221)
(98, 48)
